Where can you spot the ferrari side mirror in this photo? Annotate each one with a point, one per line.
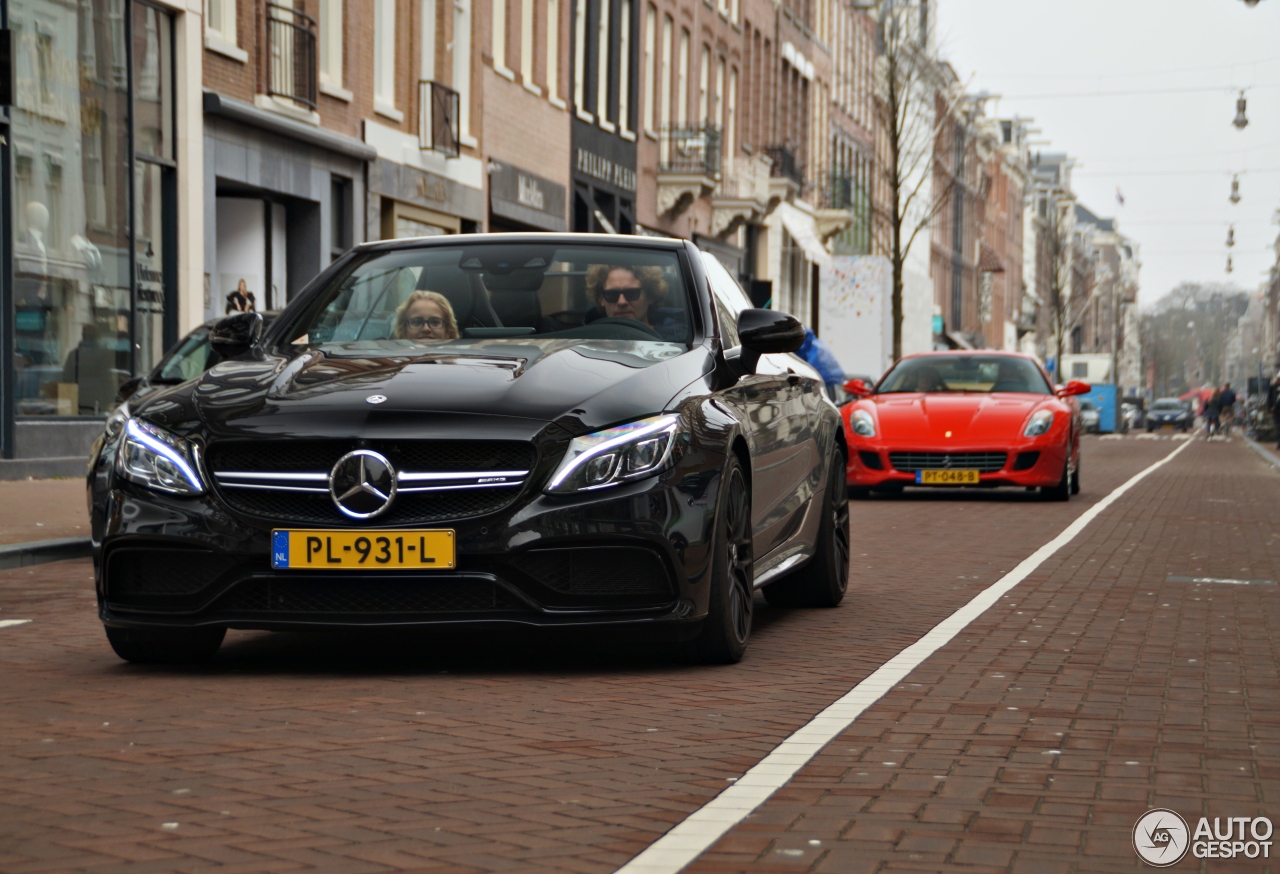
(1073, 388)
(858, 388)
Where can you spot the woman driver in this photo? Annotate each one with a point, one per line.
(425, 315)
(626, 292)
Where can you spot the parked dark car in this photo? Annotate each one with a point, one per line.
(187, 359)
(602, 432)
(1169, 412)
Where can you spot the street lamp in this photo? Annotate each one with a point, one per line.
(1235, 190)
(1241, 121)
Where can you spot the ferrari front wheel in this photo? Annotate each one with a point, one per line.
(1062, 491)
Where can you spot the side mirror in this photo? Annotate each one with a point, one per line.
(236, 334)
(858, 388)
(764, 332)
(1073, 388)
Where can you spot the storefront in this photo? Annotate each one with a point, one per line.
(405, 201)
(604, 181)
(524, 201)
(89, 220)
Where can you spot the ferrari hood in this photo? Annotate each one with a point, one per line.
(956, 417)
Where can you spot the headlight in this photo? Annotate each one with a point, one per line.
(116, 421)
(150, 456)
(1041, 422)
(862, 423)
(615, 455)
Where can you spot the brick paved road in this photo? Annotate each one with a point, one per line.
(380, 753)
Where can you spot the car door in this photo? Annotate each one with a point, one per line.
(771, 401)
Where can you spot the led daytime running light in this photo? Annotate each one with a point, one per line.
(136, 433)
(609, 440)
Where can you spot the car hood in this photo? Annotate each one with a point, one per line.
(582, 385)
(972, 417)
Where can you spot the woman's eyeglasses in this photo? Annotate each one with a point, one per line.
(612, 294)
(435, 323)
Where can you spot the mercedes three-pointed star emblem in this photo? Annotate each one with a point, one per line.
(362, 484)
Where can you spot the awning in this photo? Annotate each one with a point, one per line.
(989, 261)
(801, 227)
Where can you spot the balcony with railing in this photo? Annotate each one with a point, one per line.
(786, 174)
(291, 55)
(688, 166)
(743, 195)
(438, 119)
(843, 199)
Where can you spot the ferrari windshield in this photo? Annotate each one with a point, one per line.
(965, 373)
(497, 293)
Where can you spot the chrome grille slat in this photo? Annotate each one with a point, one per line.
(983, 462)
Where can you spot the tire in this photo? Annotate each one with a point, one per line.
(823, 581)
(1075, 479)
(165, 646)
(1062, 491)
(722, 640)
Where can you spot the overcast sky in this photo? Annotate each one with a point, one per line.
(1172, 154)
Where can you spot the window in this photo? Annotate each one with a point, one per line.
(462, 65)
(384, 55)
(220, 20)
(624, 69)
(580, 61)
(719, 107)
(553, 52)
(340, 237)
(428, 40)
(499, 36)
(731, 122)
(682, 80)
(331, 42)
(650, 43)
(526, 45)
(602, 67)
(704, 85)
(664, 81)
(1079, 370)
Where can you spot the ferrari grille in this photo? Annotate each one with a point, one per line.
(983, 462)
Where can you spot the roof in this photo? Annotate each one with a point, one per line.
(454, 240)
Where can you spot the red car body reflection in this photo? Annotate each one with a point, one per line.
(992, 421)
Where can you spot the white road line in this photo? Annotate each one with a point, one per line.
(5, 623)
(690, 838)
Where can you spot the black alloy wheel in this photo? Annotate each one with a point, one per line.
(165, 646)
(724, 634)
(823, 581)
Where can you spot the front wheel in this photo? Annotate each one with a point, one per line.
(724, 633)
(165, 646)
(1062, 491)
(823, 581)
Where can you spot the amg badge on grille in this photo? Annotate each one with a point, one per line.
(362, 484)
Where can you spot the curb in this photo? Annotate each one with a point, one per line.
(1267, 454)
(14, 555)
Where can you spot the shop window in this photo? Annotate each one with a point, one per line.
(340, 232)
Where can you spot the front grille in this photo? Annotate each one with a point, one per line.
(143, 577)
(408, 508)
(244, 473)
(596, 571)
(363, 596)
(983, 462)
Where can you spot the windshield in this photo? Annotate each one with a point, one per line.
(958, 373)
(1166, 406)
(500, 293)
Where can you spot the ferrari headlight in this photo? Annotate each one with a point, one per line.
(151, 456)
(862, 423)
(1038, 424)
(614, 455)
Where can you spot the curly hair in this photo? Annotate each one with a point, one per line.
(401, 323)
(651, 280)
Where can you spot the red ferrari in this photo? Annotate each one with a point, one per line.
(977, 419)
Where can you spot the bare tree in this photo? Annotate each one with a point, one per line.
(911, 89)
(1056, 249)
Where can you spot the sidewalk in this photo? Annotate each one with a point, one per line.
(42, 520)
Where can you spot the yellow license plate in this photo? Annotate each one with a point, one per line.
(292, 549)
(947, 477)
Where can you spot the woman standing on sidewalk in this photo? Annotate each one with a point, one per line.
(1212, 412)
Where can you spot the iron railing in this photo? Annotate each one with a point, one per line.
(785, 164)
(690, 150)
(439, 125)
(291, 55)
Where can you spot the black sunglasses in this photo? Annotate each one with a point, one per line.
(435, 323)
(612, 294)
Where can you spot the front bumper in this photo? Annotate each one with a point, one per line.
(1029, 465)
(638, 554)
